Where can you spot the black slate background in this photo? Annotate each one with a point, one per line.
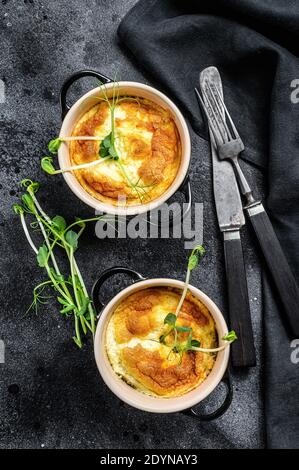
(51, 395)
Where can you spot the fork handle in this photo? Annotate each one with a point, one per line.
(242, 351)
(242, 181)
(279, 268)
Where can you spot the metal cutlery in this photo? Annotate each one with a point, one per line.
(231, 219)
(229, 146)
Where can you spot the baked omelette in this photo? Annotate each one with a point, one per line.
(147, 142)
(137, 356)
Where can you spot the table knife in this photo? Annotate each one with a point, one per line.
(231, 219)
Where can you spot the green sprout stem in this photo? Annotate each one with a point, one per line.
(26, 231)
(44, 233)
(39, 207)
(42, 228)
(80, 137)
(212, 350)
(184, 293)
(75, 265)
(72, 290)
(198, 250)
(79, 167)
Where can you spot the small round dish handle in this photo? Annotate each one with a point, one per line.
(65, 107)
(222, 408)
(185, 189)
(95, 292)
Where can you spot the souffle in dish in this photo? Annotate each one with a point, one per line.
(141, 360)
(147, 141)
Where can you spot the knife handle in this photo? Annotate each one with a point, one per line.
(243, 350)
(279, 268)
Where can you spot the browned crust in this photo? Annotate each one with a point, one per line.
(135, 318)
(158, 160)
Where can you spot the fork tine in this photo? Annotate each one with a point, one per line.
(220, 128)
(220, 111)
(215, 132)
(228, 115)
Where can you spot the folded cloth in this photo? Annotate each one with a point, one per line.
(255, 45)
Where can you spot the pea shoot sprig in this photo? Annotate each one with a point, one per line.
(176, 333)
(108, 149)
(58, 237)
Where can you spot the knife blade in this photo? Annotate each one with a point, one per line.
(231, 219)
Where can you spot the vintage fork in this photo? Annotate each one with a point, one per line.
(228, 142)
(229, 145)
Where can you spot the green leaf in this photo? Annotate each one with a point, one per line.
(57, 277)
(230, 336)
(72, 239)
(200, 250)
(86, 302)
(107, 141)
(193, 262)
(170, 319)
(18, 209)
(195, 343)
(67, 309)
(105, 146)
(31, 186)
(103, 152)
(59, 223)
(113, 153)
(47, 165)
(54, 145)
(42, 256)
(80, 222)
(183, 329)
(28, 202)
(162, 339)
(78, 343)
(197, 253)
(62, 301)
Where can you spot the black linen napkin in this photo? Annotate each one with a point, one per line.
(255, 45)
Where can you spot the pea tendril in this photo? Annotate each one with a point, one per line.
(69, 287)
(179, 344)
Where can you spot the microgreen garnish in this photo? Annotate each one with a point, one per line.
(54, 144)
(230, 336)
(107, 150)
(179, 343)
(196, 255)
(69, 287)
(48, 167)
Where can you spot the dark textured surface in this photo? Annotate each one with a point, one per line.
(50, 392)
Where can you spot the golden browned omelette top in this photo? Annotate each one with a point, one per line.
(137, 356)
(147, 142)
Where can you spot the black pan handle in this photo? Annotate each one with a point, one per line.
(95, 292)
(185, 189)
(226, 380)
(73, 78)
(284, 280)
(242, 351)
